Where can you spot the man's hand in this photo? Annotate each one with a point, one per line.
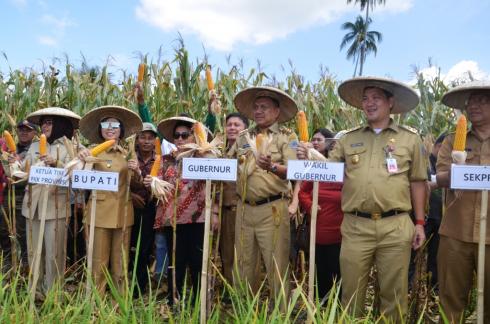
(264, 162)
(147, 181)
(302, 150)
(84, 153)
(140, 96)
(419, 237)
(48, 160)
(133, 165)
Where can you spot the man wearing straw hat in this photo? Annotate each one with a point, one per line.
(460, 227)
(385, 180)
(262, 223)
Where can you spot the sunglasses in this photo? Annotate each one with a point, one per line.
(106, 125)
(183, 135)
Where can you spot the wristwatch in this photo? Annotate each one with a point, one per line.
(273, 168)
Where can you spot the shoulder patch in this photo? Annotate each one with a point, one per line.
(353, 129)
(408, 128)
(285, 130)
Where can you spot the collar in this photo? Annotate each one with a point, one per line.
(274, 128)
(392, 125)
(140, 158)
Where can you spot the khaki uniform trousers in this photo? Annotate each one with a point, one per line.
(51, 264)
(227, 241)
(387, 244)
(264, 229)
(111, 246)
(457, 262)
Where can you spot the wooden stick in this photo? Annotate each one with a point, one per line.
(90, 251)
(205, 252)
(481, 255)
(311, 272)
(39, 247)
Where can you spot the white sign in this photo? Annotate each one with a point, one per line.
(209, 169)
(470, 177)
(321, 171)
(48, 176)
(95, 180)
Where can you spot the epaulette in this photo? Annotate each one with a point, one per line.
(285, 130)
(410, 129)
(353, 129)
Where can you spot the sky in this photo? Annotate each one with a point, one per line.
(453, 35)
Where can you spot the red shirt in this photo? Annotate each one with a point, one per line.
(330, 215)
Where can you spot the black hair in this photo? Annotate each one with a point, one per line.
(440, 139)
(182, 123)
(121, 127)
(327, 133)
(62, 126)
(238, 115)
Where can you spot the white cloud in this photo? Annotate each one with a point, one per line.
(463, 71)
(58, 23)
(47, 40)
(223, 23)
(57, 28)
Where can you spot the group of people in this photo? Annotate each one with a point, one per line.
(375, 217)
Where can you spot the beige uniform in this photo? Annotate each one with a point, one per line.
(460, 232)
(262, 223)
(52, 259)
(111, 242)
(370, 188)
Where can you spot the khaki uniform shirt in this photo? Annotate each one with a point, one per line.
(461, 220)
(57, 196)
(261, 184)
(368, 186)
(230, 198)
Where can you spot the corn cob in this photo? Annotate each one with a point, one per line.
(101, 147)
(302, 126)
(156, 166)
(259, 142)
(200, 133)
(42, 145)
(158, 146)
(9, 140)
(209, 78)
(460, 137)
(141, 71)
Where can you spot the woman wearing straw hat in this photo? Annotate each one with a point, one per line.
(58, 125)
(185, 207)
(458, 254)
(114, 210)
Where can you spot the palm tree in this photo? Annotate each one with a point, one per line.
(362, 41)
(366, 4)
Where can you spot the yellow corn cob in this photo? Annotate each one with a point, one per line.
(158, 146)
(200, 133)
(42, 145)
(209, 78)
(156, 166)
(9, 140)
(141, 71)
(302, 126)
(460, 138)
(101, 147)
(259, 141)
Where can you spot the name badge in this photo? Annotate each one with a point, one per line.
(391, 165)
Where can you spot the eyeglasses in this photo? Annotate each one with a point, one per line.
(48, 122)
(106, 125)
(183, 135)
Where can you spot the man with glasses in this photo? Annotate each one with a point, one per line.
(457, 257)
(262, 220)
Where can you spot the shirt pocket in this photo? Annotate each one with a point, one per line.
(276, 154)
(472, 157)
(355, 157)
(403, 160)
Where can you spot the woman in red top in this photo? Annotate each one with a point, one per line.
(330, 216)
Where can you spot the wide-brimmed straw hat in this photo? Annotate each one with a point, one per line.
(405, 98)
(166, 127)
(35, 117)
(89, 124)
(244, 102)
(458, 96)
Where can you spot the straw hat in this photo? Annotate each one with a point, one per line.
(458, 96)
(244, 102)
(35, 117)
(166, 127)
(89, 124)
(405, 98)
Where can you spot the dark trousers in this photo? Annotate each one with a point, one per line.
(327, 267)
(6, 241)
(143, 231)
(432, 234)
(76, 243)
(188, 253)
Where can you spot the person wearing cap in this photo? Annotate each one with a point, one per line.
(262, 219)
(114, 210)
(25, 134)
(459, 232)
(328, 237)
(385, 180)
(142, 233)
(184, 207)
(58, 124)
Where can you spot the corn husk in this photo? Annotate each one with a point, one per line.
(202, 147)
(161, 189)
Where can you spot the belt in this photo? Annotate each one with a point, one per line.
(376, 216)
(264, 201)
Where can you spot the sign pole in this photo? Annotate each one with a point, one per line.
(205, 252)
(90, 251)
(481, 255)
(311, 270)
